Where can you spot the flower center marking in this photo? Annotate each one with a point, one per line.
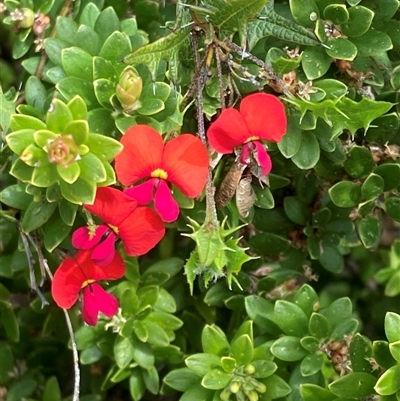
(159, 173)
(114, 228)
(252, 138)
(87, 282)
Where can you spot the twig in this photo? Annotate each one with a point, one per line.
(45, 267)
(220, 79)
(31, 262)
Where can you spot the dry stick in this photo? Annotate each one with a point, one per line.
(77, 373)
(220, 78)
(229, 45)
(31, 261)
(211, 210)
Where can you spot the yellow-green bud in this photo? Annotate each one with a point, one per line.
(128, 89)
(249, 369)
(26, 17)
(253, 396)
(234, 387)
(62, 150)
(261, 388)
(225, 394)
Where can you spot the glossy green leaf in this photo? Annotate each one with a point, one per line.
(359, 163)
(337, 13)
(269, 244)
(389, 382)
(289, 349)
(360, 351)
(312, 392)
(296, 210)
(54, 232)
(81, 191)
(77, 63)
(202, 363)
(9, 321)
(341, 48)
(372, 187)
(142, 353)
(301, 11)
(290, 318)
(37, 214)
(137, 387)
(392, 324)
(311, 364)
(370, 230)
(308, 154)
(181, 379)
(69, 87)
(360, 19)
(390, 172)
(216, 379)
(355, 384)
(277, 387)
(392, 207)
(372, 43)
(103, 147)
(345, 194)
(315, 62)
(242, 349)
(16, 197)
(116, 47)
(214, 341)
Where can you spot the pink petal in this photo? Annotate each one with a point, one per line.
(165, 204)
(95, 300)
(104, 252)
(262, 158)
(142, 193)
(81, 238)
(245, 155)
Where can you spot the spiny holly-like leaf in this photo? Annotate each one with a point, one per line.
(344, 113)
(273, 24)
(232, 16)
(165, 48)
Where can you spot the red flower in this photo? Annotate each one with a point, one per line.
(183, 161)
(81, 274)
(139, 228)
(261, 117)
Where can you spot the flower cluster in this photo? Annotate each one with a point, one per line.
(150, 170)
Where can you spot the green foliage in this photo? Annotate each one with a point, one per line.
(296, 301)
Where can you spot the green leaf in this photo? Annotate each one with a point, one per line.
(142, 354)
(360, 162)
(81, 191)
(52, 390)
(390, 172)
(232, 16)
(392, 324)
(309, 152)
(90, 355)
(242, 349)
(35, 93)
(338, 311)
(395, 350)
(107, 23)
(310, 343)
(315, 62)
(88, 40)
(331, 260)
(263, 368)
(340, 48)
(372, 187)
(181, 379)
(66, 29)
(37, 214)
(370, 231)
(346, 328)
(273, 24)
(360, 19)
(389, 382)
(202, 363)
(301, 11)
(337, 13)
(290, 143)
(345, 194)
(306, 298)
(103, 147)
(312, 392)
(372, 43)
(123, 351)
(311, 364)
(9, 321)
(21, 389)
(360, 351)
(71, 86)
(355, 384)
(16, 197)
(289, 349)
(150, 106)
(69, 174)
(7, 363)
(89, 15)
(54, 232)
(77, 107)
(7, 108)
(137, 387)
(216, 379)
(214, 341)
(296, 210)
(382, 355)
(392, 207)
(261, 312)
(23, 122)
(77, 63)
(67, 211)
(269, 244)
(277, 387)
(264, 198)
(116, 47)
(290, 318)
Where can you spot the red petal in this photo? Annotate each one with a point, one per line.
(95, 300)
(262, 157)
(142, 193)
(104, 252)
(186, 161)
(228, 131)
(165, 204)
(265, 116)
(112, 205)
(81, 238)
(67, 283)
(141, 231)
(142, 154)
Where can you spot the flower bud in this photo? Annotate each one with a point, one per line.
(250, 369)
(128, 89)
(253, 396)
(62, 150)
(24, 17)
